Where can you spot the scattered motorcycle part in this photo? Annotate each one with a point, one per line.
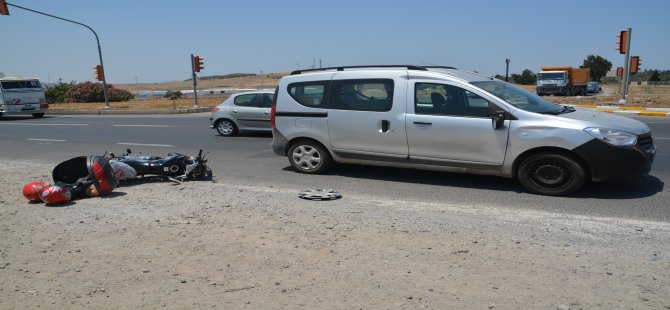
(320, 194)
(33, 189)
(55, 194)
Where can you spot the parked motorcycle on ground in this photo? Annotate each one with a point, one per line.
(174, 167)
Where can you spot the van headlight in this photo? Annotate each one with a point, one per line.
(612, 136)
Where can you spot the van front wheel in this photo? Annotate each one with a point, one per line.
(551, 174)
(309, 157)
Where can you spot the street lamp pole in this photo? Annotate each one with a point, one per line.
(507, 70)
(104, 80)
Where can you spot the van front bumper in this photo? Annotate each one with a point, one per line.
(615, 163)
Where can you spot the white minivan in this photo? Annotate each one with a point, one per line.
(441, 118)
(22, 96)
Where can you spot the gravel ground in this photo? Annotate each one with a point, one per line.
(219, 244)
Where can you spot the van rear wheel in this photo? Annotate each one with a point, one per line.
(309, 157)
(551, 174)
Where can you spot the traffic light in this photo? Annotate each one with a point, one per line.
(97, 70)
(3, 8)
(198, 63)
(619, 71)
(635, 64)
(622, 42)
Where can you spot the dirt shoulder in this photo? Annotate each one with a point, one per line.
(226, 245)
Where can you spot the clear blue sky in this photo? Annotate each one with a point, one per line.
(150, 41)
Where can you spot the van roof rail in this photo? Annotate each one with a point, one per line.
(439, 67)
(341, 68)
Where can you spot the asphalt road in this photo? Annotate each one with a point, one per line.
(248, 160)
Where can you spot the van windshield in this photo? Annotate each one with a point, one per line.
(521, 98)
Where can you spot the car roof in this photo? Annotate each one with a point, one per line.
(417, 71)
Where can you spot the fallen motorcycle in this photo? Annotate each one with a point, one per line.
(174, 167)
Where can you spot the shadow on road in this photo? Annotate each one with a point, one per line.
(249, 135)
(640, 188)
(13, 118)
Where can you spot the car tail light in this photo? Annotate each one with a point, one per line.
(44, 106)
(215, 110)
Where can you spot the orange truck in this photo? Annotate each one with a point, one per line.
(566, 81)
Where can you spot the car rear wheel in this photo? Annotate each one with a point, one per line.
(226, 128)
(38, 115)
(551, 174)
(309, 157)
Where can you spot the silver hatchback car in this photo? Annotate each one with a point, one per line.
(247, 111)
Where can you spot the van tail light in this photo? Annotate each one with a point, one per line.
(273, 111)
(44, 105)
(215, 110)
(272, 114)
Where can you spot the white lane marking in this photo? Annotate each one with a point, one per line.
(145, 144)
(47, 140)
(41, 124)
(661, 138)
(159, 126)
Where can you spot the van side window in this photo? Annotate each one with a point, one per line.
(441, 99)
(249, 100)
(308, 94)
(374, 95)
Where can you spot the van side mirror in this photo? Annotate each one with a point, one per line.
(497, 119)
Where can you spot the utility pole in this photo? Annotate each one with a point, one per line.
(104, 80)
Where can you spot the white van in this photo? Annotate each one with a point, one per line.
(22, 96)
(441, 118)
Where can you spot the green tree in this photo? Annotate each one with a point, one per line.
(599, 66)
(173, 94)
(56, 93)
(527, 77)
(655, 77)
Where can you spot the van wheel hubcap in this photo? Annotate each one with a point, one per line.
(550, 174)
(306, 157)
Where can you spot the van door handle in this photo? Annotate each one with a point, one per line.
(385, 125)
(234, 111)
(423, 123)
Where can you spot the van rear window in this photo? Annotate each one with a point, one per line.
(308, 94)
(32, 84)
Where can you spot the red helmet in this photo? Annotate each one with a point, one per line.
(55, 194)
(33, 189)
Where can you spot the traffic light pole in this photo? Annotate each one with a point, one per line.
(104, 81)
(195, 83)
(626, 68)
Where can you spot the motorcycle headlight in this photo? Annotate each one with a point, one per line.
(612, 136)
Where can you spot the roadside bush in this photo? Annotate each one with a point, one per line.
(93, 92)
(56, 93)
